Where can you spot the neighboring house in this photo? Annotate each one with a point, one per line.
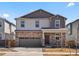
(7, 31)
(40, 28)
(73, 31)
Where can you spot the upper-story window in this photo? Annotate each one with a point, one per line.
(22, 24)
(57, 23)
(36, 23)
(0, 24)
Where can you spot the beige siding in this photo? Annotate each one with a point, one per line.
(9, 31)
(2, 34)
(2, 28)
(7, 28)
(74, 29)
(13, 28)
(73, 36)
(30, 24)
(13, 31)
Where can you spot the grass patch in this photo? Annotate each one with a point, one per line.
(60, 55)
(64, 50)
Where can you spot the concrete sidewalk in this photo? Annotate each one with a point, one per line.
(25, 52)
(33, 53)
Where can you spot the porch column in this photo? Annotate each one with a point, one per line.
(43, 39)
(61, 40)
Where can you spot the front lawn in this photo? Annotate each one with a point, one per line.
(59, 50)
(60, 55)
(51, 52)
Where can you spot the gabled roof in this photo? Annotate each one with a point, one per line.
(7, 21)
(77, 20)
(61, 16)
(10, 22)
(38, 14)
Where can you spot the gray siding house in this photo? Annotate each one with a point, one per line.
(7, 31)
(73, 31)
(40, 28)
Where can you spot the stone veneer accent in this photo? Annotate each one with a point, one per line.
(28, 38)
(29, 33)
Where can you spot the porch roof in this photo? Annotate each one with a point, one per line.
(62, 30)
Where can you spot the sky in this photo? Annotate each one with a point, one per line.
(12, 10)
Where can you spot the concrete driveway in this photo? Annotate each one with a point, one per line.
(21, 51)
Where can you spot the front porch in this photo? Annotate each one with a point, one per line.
(54, 37)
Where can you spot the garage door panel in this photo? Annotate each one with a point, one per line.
(30, 42)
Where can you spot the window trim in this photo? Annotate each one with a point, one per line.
(57, 23)
(22, 23)
(37, 23)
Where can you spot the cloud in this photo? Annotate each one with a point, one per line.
(70, 4)
(6, 15)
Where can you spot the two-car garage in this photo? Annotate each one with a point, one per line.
(29, 38)
(29, 42)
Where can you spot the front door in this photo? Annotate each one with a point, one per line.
(46, 39)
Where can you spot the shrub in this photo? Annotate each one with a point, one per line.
(71, 43)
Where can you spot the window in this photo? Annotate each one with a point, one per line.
(0, 24)
(57, 23)
(22, 24)
(37, 24)
(56, 33)
(57, 38)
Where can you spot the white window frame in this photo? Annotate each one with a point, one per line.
(37, 23)
(57, 23)
(57, 36)
(22, 23)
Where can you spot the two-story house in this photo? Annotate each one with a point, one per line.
(73, 31)
(40, 28)
(7, 31)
